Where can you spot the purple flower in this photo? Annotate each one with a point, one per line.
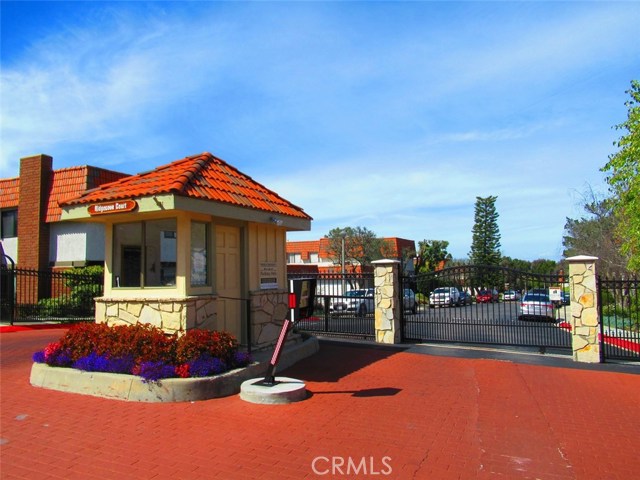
(61, 358)
(103, 363)
(206, 365)
(38, 357)
(92, 363)
(120, 364)
(154, 371)
(241, 359)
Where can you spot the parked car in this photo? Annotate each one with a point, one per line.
(511, 295)
(544, 291)
(465, 298)
(564, 300)
(487, 296)
(536, 305)
(359, 301)
(409, 300)
(442, 296)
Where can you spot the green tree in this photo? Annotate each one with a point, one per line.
(544, 267)
(515, 264)
(624, 180)
(361, 245)
(431, 253)
(485, 246)
(595, 234)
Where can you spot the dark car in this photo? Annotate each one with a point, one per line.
(465, 298)
(487, 296)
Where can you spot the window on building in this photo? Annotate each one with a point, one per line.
(9, 225)
(294, 258)
(199, 254)
(149, 263)
(314, 257)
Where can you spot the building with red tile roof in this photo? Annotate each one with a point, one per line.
(29, 205)
(190, 242)
(315, 256)
(185, 245)
(199, 177)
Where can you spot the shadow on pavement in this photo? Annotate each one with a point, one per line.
(336, 360)
(364, 393)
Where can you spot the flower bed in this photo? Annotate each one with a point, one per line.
(144, 351)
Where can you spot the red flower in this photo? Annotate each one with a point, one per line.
(183, 370)
(51, 350)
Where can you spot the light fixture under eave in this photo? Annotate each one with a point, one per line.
(275, 220)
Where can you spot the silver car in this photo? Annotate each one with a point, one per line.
(409, 300)
(444, 296)
(511, 295)
(536, 305)
(359, 301)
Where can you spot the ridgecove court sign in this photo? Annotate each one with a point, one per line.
(112, 207)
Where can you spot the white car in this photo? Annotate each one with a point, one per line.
(536, 305)
(444, 296)
(511, 295)
(359, 301)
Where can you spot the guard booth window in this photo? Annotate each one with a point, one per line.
(145, 254)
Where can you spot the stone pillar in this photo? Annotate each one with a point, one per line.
(585, 321)
(387, 295)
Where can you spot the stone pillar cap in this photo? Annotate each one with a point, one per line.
(384, 261)
(582, 258)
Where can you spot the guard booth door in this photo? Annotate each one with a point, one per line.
(229, 280)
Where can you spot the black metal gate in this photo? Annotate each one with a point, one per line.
(489, 305)
(619, 318)
(344, 305)
(43, 295)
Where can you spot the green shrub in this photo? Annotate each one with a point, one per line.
(85, 284)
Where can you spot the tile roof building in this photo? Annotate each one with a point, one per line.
(185, 245)
(30, 232)
(200, 177)
(315, 256)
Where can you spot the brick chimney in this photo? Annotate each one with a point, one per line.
(33, 232)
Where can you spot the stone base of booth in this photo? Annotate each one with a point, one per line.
(269, 308)
(132, 388)
(170, 314)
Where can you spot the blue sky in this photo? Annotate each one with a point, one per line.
(392, 116)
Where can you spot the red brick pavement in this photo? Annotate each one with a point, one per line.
(373, 412)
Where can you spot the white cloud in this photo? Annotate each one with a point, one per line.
(393, 116)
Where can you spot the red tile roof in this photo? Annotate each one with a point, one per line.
(200, 176)
(65, 183)
(9, 192)
(70, 182)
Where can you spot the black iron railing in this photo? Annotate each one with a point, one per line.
(493, 305)
(41, 295)
(344, 305)
(619, 302)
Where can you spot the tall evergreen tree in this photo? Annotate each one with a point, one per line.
(485, 246)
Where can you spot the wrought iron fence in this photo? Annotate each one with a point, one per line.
(41, 295)
(489, 305)
(619, 318)
(344, 305)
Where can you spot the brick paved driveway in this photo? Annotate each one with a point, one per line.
(373, 413)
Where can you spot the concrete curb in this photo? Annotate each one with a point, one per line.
(132, 388)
